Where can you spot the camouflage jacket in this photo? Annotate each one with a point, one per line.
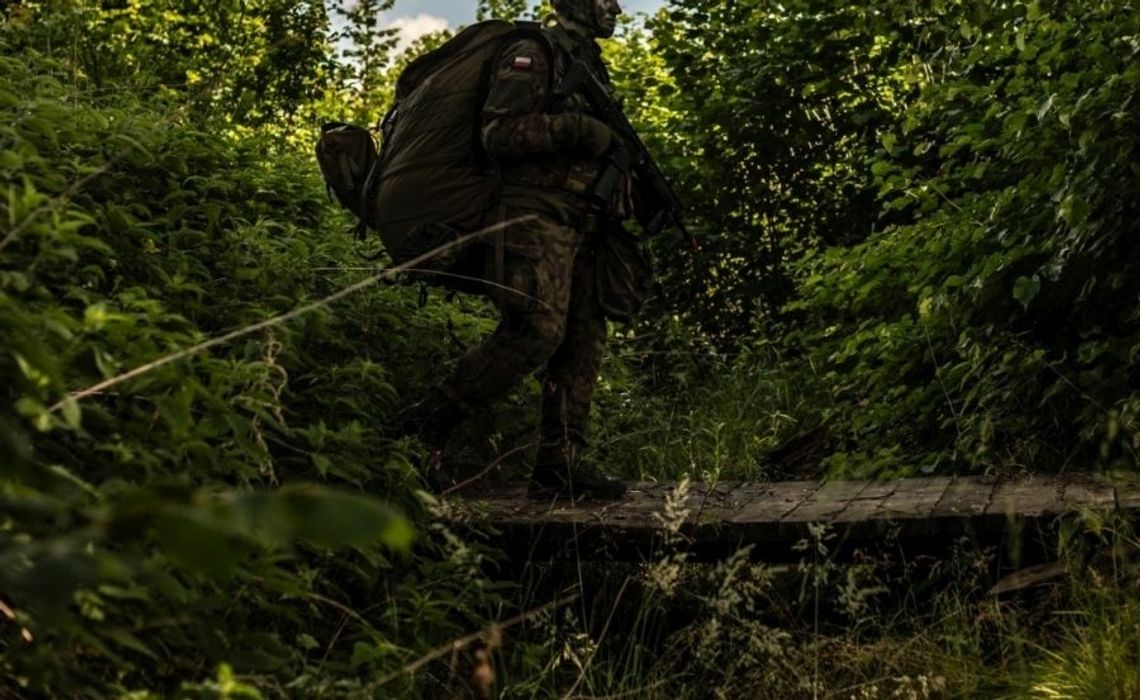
(547, 156)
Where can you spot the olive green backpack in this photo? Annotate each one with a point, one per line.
(432, 182)
(346, 155)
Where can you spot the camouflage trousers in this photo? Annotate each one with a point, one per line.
(550, 317)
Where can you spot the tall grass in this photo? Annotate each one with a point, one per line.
(880, 628)
(709, 417)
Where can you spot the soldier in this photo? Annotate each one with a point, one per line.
(549, 149)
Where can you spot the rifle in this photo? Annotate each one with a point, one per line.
(659, 207)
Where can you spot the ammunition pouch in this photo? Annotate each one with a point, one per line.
(624, 273)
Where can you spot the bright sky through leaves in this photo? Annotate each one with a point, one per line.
(418, 17)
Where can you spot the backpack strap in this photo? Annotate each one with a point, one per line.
(524, 29)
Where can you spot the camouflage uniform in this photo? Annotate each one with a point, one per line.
(549, 150)
(548, 296)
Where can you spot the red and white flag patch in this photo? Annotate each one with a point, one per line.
(522, 63)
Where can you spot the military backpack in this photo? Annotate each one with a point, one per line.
(432, 181)
(346, 155)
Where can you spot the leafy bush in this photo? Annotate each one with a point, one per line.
(917, 256)
(997, 330)
(185, 516)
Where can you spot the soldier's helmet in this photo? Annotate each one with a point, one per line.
(584, 12)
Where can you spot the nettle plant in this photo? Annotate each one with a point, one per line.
(996, 329)
(206, 503)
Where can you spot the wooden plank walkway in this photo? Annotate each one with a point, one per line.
(711, 521)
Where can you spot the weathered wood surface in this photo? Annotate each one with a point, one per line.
(779, 518)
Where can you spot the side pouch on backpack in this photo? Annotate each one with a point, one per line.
(624, 273)
(346, 154)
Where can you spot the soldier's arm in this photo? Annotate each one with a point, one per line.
(514, 122)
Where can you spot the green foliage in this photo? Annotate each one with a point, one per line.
(217, 507)
(255, 62)
(693, 428)
(370, 45)
(917, 256)
(994, 326)
(1098, 660)
(776, 108)
(928, 208)
(505, 9)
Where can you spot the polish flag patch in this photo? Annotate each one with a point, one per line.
(522, 63)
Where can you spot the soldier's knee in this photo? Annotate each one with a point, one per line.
(543, 334)
(548, 337)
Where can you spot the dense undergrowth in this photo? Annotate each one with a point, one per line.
(179, 235)
(919, 255)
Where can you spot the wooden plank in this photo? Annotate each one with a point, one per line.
(1031, 496)
(827, 502)
(647, 504)
(1128, 500)
(721, 501)
(962, 508)
(641, 502)
(821, 507)
(718, 518)
(1127, 493)
(775, 500)
(869, 500)
(831, 499)
(913, 498)
(709, 525)
(908, 507)
(854, 522)
(1087, 493)
(562, 513)
(967, 496)
(1018, 515)
(717, 510)
(758, 520)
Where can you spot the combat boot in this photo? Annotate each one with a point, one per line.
(560, 472)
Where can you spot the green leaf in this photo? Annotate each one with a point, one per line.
(369, 652)
(197, 541)
(363, 653)
(125, 639)
(1025, 289)
(333, 518)
(36, 412)
(321, 462)
(71, 412)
